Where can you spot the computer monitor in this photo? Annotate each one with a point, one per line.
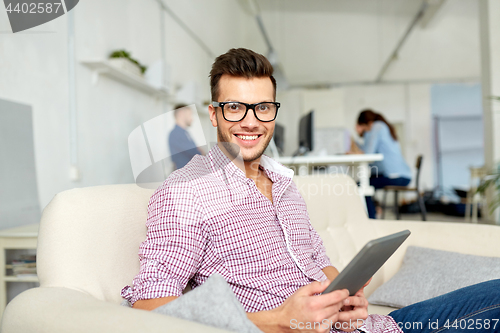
(306, 134)
(279, 138)
(331, 141)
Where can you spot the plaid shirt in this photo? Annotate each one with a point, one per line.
(209, 218)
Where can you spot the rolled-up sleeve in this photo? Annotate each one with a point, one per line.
(174, 245)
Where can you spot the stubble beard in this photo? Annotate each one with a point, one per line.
(234, 150)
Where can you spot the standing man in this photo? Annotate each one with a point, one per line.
(182, 146)
(237, 213)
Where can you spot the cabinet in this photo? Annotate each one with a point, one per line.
(19, 238)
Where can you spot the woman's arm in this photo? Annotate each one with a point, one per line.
(355, 149)
(372, 138)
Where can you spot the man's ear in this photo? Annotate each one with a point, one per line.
(213, 117)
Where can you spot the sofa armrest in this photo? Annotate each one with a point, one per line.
(61, 310)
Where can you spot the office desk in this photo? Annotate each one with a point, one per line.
(304, 165)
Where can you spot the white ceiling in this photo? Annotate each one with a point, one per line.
(404, 7)
(323, 42)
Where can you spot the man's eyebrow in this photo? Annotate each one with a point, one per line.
(235, 100)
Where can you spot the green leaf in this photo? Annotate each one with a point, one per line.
(493, 179)
(120, 54)
(494, 204)
(125, 54)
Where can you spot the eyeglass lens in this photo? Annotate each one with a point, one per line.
(236, 111)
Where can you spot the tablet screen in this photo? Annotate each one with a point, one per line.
(367, 262)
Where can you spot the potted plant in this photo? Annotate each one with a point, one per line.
(122, 59)
(492, 179)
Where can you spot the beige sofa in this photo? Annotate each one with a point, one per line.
(89, 239)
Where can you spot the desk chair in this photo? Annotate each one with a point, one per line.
(474, 198)
(398, 189)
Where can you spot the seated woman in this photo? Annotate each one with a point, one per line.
(380, 138)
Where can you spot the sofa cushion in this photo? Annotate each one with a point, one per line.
(427, 273)
(214, 304)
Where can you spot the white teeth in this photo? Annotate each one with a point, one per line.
(248, 137)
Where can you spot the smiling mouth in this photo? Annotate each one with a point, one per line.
(248, 137)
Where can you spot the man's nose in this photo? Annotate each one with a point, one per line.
(250, 121)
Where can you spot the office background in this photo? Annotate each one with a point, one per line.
(331, 53)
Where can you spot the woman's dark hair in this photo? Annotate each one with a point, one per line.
(367, 116)
(241, 63)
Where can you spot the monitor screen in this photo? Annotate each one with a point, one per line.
(306, 133)
(279, 138)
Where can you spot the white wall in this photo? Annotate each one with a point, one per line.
(490, 52)
(34, 71)
(490, 55)
(108, 111)
(328, 105)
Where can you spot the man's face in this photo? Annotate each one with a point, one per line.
(249, 136)
(187, 116)
(184, 117)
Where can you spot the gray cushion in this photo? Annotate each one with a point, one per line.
(427, 273)
(214, 304)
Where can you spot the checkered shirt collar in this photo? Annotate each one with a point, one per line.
(274, 170)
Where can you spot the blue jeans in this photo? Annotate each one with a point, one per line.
(470, 309)
(380, 182)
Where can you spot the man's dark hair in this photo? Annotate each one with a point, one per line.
(178, 108)
(240, 63)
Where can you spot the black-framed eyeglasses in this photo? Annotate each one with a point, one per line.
(237, 111)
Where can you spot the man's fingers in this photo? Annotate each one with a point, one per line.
(357, 309)
(314, 288)
(356, 301)
(333, 298)
(331, 311)
(353, 315)
(347, 323)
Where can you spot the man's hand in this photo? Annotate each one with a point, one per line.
(302, 310)
(355, 310)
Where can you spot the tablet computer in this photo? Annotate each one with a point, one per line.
(367, 262)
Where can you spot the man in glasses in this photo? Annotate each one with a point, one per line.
(237, 213)
(230, 212)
